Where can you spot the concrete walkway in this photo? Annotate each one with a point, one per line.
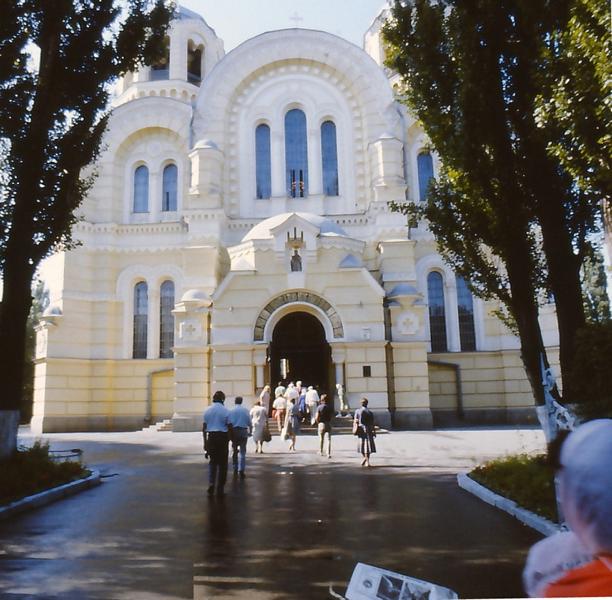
(297, 524)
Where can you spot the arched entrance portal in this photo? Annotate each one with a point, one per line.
(299, 351)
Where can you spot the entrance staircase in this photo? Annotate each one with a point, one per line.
(165, 425)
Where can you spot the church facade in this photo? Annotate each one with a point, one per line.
(239, 233)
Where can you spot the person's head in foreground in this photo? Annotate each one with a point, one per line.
(579, 562)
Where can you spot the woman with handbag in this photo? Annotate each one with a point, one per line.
(259, 426)
(363, 427)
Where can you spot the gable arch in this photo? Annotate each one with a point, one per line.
(303, 301)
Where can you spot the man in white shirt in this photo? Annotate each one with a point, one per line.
(312, 400)
(240, 420)
(216, 431)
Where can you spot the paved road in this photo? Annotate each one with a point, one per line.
(297, 524)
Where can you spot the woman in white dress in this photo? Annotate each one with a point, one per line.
(259, 423)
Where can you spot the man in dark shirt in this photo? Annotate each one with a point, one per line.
(324, 417)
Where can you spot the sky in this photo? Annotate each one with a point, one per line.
(236, 21)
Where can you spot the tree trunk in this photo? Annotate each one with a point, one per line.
(525, 312)
(16, 303)
(564, 278)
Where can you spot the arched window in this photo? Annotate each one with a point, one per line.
(425, 171)
(166, 319)
(161, 69)
(141, 311)
(169, 186)
(465, 309)
(263, 164)
(141, 189)
(329, 158)
(437, 313)
(194, 63)
(296, 153)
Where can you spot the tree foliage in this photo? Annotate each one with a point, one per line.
(54, 107)
(507, 214)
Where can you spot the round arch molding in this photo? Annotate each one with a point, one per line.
(303, 297)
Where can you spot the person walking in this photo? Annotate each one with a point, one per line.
(292, 423)
(259, 425)
(266, 398)
(312, 401)
(240, 420)
(280, 410)
(279, 390)
(323, 418)
(216, 431)
(363, 427)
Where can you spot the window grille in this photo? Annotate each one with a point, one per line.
(166, 320)
(437, 313)
(425, 172)
(296, 154)
(329, 159)
(263, 168)
(169, 188)
(141, 310)
(465, 309)
(141, 189)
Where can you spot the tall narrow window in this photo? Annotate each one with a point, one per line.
(141, 310)
(329, 158)
(141, 189)
(169, 186)
(465, 308)
(194, 63)
(296, 153)
(166, 320)
(437, 313)
(263, 164)
(425, 171)
(161, 68)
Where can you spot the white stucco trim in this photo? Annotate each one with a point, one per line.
(286, 309)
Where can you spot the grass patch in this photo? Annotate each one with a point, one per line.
(526, 479)
(31, 471)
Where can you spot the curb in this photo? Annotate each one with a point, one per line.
(544, 526)
(48, 496)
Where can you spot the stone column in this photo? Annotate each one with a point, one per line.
(339, 358)
(277, 160)
(192, 361)
(315, 177)
(259, 359)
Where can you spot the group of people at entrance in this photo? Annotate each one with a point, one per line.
(220, 426)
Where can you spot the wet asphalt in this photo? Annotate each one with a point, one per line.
(295, 526)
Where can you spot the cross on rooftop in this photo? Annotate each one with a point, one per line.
(296, 18)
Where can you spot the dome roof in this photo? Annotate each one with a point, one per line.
(262, 231)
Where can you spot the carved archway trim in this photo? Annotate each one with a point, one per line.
(303, 297)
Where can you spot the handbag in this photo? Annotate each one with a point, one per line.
(267, 436)
(355, 427)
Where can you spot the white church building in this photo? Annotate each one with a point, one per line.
(239, 233)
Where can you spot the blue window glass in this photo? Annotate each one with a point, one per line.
(329, 158)
(141, 189)
(169, 187)
(296, 154)
(141, 311)
(465, 308)
(263, 165)
(425, 171)
(437, 313)
(166, 319)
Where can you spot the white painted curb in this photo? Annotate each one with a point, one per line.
(527, 517)
(48, 496)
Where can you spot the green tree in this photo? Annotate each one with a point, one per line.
(53, 113)
(474, 74)
(595, 288)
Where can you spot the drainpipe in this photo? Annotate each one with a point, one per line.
(457, 368)
(149, 404)
(389, 360)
